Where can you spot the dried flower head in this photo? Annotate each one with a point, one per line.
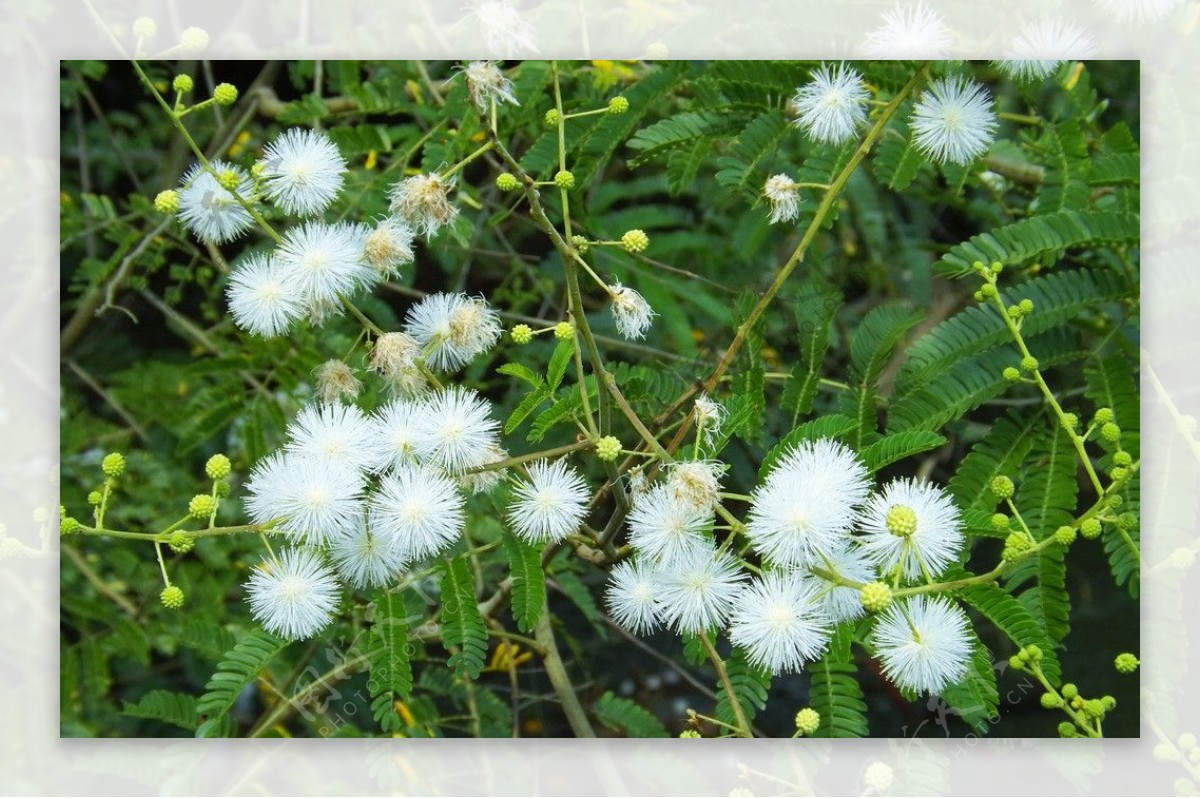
(783, 196)
(336, 381)
(424, 202)
(486, 84)
(395, 357)
(631, 312)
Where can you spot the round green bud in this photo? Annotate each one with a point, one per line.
(218, 467)
(997, 267)
(1064, 535)
(1187, 741)
(183, 84)
(1090, 529)
(1014, 312)
(167, 202)
(564, 179)
(1122, 458)
(1016, 546)
(978, 295)
(1011, 374)
(875, 596)
(1002, 487)
(1105, 415)
(225, 93)
(193, 39)
(1000, 522)
(1051, 701)
(564, 331)
(618, 105)
(1023, 655)
(901, 521)
(95, 497)
(1164, 752)
(1126, 663)
(1069, 691)
(113, 464)
(222, 489)
(1026, 306)
(181, 542)
(1115, 500)
(144, 27)
(1127, 521)
(202, 506)
(979, 267)
(1070, 421)
(1034, 652)
(635, 241)
(551, 118)
(808, 720)
(507, 182)
(1110, 432)
(1108, 703)
(229, 180)
(171, 597)
(522, 334)
(581, 244)
(988, 290)
(1016, 663)
(1029, 363)
(879, 776)
(69, 526)
(1118, 473)
(1094, 707)
(1067, 729)
(607, 448)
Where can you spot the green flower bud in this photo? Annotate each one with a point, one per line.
(997, 267)
(167, 202)
(1123, 459)
(1108, 703)
(564, 331)
(875, 596)
(202, 506)
(635, 241)
(581, 244)
(551, 118)
(1070, 421)
(183, 84)
(1090, 529)
(1029, 363)
(1002, 487)
(1069, 691)
(222, 489)
(95, 497)
(181, 542)
(978, 296)
(507, 182)
(193, 39)
(218, 467)
(1127, 521)
(618, 105)
(1016, 663)
(1011, 374)
(1105, 415)
(171, 597)
(1115, 500)
(522, 334)
(69, 526)
(144, 27)
(225, 93)
(1067, 729)
(901, 521)
(564, 179)
(1051, 701)
(1000, 522)
(1126, 663)
(607, 448)
(1110, 432)
(1064, 535)
(689, 734)
(1094, 707)
(1034, 652)
(1026, 306)
(1016, 546)
(979, 267)
(229, 180)
(988, 291)
(808, 720)
(113, 465)
(1187, 742)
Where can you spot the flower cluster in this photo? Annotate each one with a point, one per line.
(822, 536)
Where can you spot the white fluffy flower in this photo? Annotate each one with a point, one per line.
(845, 603)
(394, 428)
(696, 483)
(303, 171)
(631, 312)
(486, 83)
(663, 528)
(484, 481)
(697, 589)
(335, 432)
(780, 622)
(923, 643)
(908, 32)
(456, 431)
(364, 559)
(424, 202)
(631, 597)
(389, 246)
(954, 121)
(326, 260)
(832, 107)
(319, 499)
(910, 523)
(417, 511)
(1027, 56)
(263, 298)
(453, 329)
(783, 196)
(293, 596)
(551, 505)
(1139, 11)
(505, 33)
(213, 214)
(807, 504)
(710, 416)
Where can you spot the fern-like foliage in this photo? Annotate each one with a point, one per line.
(831, 426)
(871, 348)
(1013, 619)
(462, 624)
(177, 709)
(1000, 452)
(529, 581)
(750, 687)
(623, 715)
(239, 667)
(975, 699)
(894, 448)
(834, 691)
(814, 312)
(391, 663)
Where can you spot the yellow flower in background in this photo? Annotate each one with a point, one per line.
(606, 74)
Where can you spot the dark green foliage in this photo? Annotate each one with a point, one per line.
(239, 667)
(835, 692)
(391, 663)
(623, 715)
(463, 632)
(750, 687)
(529, 582)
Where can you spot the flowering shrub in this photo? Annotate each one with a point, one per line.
(511, 384)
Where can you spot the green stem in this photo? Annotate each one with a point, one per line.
(739, 714)
(559, 678)
(525, 458)
(458, 167)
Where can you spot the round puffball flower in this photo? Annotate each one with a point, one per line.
(696, 483)
(293, 596)
(631, 312)
(364, 559)
(316, 498)
(389, 246)
(456, 431)
(832, 107)
(1138, 11)
(783, 196)
(551, 505)
(453, 329)
(780, 622)
(417, 511)
(911, 525)
(326, 260)
(697, 589)
(953, 120)
(263, 297)
(337, 433)
(841, 602)
(1027, 55)
(486, 84)
(909, 31)
(808, 504)
(209, 210)
(424, 202)
(663, 528)
(923, 643)
(631, 597)
(394, 429)
(303, 171)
